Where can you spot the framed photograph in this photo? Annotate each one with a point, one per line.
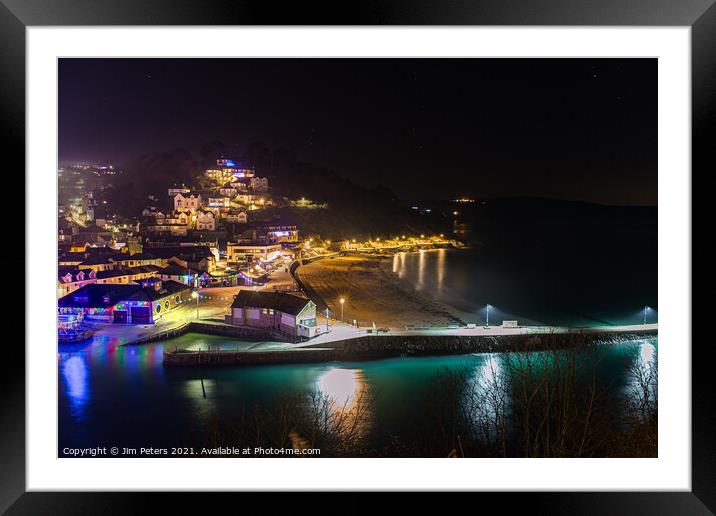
(376, 244)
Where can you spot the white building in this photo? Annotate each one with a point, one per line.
(219, 202)
(251, 253)
(206, 220)
(251, 199)
(239, 218)
(184, 202)
(228, 190)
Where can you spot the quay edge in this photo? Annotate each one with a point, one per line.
(376, 347)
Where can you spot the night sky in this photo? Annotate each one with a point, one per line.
(578, 129)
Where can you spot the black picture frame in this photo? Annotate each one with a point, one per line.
(700, 15)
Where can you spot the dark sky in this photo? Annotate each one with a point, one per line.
(580, 129)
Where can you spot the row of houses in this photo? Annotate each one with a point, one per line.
(198, 257)
(180, 223)
(70, 279)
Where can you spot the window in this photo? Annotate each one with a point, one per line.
(159, 308)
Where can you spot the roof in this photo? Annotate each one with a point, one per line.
(63, 271)
(139, 269)
(280, 301)
(141, 256)
(97, 260)
(254, 272)
(168, 288)
(72, 257)
(111, 274)
(94, 228)
(189, 195)
(176, 270)
(93, 295)
(193, 250)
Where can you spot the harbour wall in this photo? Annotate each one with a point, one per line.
(375, 347)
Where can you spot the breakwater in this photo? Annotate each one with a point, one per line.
(375, 347)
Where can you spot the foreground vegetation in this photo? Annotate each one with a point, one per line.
(523, 404)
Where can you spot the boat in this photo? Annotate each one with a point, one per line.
(70, 329)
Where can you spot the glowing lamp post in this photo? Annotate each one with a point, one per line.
(195, 295)
(488, 315)
(342, 303)
(646, 309)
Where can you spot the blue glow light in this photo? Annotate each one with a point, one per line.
(76, 378)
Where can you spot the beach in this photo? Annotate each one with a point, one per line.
(372, 293)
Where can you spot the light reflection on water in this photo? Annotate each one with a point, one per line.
(346, 393)
(125, 394)
(421, 270)
(440, 271)
(341, 385)
(486, 399)
(641, 385)
(75, 374)
(527, 289)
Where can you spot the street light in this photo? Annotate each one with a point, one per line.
(326, 319)
(646, 308)
(488, 315)
(342, 303)
(195, 295)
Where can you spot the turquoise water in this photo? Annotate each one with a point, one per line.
(112, 395)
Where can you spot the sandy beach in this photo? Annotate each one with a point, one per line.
(372, 293)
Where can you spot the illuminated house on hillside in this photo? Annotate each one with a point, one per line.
(238, 217)
(187, 202)
(282, 233)
(227, 169)
(205, 220)
(142, 303)
(219, 202)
